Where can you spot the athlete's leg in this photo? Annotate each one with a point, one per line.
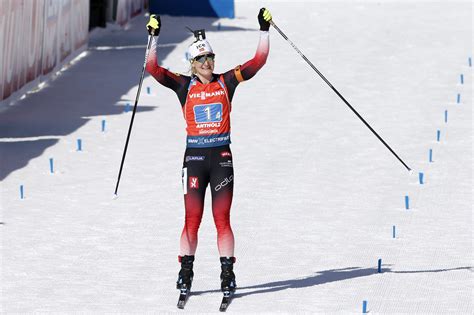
(195, 180)
(222, 187)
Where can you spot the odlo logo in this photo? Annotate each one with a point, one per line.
(193, 182)
(224, 183)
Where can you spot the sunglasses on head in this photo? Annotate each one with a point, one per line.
(203, 58)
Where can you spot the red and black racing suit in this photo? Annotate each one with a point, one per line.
(208, 158)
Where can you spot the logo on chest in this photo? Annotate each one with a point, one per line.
(203, 95)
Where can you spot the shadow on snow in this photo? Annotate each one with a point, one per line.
(322, 277)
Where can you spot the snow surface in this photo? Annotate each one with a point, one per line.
(316, 194)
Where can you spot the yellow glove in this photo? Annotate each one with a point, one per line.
(154, 25)
(264, 18)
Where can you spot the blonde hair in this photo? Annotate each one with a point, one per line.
(191, 69)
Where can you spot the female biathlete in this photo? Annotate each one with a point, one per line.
(205, 99)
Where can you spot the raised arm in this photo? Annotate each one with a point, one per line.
(250, 68)
(167, 78)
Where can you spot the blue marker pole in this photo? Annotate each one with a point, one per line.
(22, 196)
(103, 125)
(462, 78)
(438, 134)
(420, 177)
(127, 107)
(364, 307)
(458, 98)
(393, 232)
(407, 202)
(79, 145)
(431, 155)
(148, 90)
(446, 116)
(51, 165)
(379, 268)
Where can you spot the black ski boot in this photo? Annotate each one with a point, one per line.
(185, 277)
(227, 274)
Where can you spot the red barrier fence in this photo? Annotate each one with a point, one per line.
(126, 9)
(36, 38)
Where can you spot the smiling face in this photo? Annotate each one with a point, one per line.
(203, 66)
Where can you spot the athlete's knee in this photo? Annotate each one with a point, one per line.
(222, 224)
(193, 216)
(192, 223)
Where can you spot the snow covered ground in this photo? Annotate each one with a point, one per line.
(316, 194)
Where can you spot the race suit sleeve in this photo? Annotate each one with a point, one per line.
(176, 82)
(250, 68)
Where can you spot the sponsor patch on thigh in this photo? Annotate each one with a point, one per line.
(227, 163)
(193, 182)
(224, 183)
(194, 158)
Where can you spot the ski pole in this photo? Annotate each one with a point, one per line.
(133, 114)
(337, 92)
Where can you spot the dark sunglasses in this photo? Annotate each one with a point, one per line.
(203, 58)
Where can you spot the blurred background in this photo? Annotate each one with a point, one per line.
(58, 31)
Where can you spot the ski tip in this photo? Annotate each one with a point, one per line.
(183, 297)
(226, 301)
(223, 307)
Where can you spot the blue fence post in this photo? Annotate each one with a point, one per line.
(364, 307)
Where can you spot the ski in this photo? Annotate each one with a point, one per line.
(183, 297)
(226, 299)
